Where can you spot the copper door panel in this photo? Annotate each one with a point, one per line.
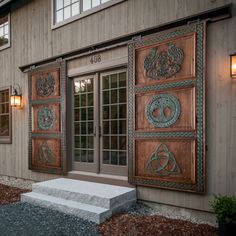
(46, 84)
(46, 153)
(165, 61)
(47, 123)
(166, 123)
(169, 160)
(46, 118)
(150, 120)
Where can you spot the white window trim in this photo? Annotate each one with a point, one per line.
(81, 15)
(9, 34)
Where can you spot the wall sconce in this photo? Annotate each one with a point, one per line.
(16, 96)
(233, 66)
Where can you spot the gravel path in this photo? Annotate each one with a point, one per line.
(22, 219)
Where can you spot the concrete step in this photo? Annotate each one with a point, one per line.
(84, 211)
(88, 200)
(101, 195)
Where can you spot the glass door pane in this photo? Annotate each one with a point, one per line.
(113, 122)
(84, 120)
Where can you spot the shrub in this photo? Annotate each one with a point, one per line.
(224, 208)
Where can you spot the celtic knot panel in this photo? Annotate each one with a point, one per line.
(45, 118)
(163, 64)
(163, 110)
(45, 154)
(163, 162)
(45, 85)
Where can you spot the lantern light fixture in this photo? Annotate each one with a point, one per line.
(16, 96)
(233, 66)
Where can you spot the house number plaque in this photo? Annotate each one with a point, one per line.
(96, 59)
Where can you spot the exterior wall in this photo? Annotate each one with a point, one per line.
(32, 39)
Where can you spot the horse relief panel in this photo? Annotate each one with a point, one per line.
(46, 153)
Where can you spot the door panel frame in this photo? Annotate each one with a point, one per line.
(82, 166)
(136, 173)
(105, 168)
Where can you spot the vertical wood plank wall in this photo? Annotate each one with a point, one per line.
(32, 39)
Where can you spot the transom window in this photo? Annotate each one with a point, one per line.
(65, 9)
(5, 116)
(4, 31)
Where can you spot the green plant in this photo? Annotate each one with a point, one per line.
(224, 208)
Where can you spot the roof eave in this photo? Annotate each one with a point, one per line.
(4, 2)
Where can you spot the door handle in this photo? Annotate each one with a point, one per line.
(99, 131)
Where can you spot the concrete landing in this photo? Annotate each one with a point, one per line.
(91, 201)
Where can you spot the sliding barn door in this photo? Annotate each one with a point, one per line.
(47, 147)
(167, 109)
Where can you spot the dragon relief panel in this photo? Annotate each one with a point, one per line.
(45, 85)
(163, 64)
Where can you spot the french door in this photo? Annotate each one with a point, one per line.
(100, 117)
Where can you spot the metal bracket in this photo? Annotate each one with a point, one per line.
(198, 21)
(59, 60)
(137, 38)
(32, 67)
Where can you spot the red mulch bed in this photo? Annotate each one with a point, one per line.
(127, 225)
(10, 194)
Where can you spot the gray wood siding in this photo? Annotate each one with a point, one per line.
(32, 39)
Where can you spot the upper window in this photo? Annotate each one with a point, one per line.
(4, 31)
(67, 10)
(5, 116)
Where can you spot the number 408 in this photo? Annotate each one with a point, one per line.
(95, 59)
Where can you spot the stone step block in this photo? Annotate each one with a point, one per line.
(106, 196)
(84, 211)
